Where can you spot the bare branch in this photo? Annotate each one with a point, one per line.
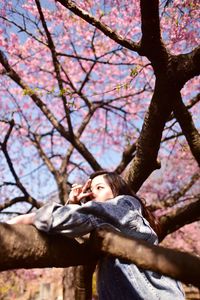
(102, 27)
(23, 29)
(86, 79)
(18, 182)
(97, 59)
(70, 83)
(43, 107)
(127, 156)
(56, 65)
(172, 199)
(180, 217)
(21, 199)
(193, 101)
(60, 178)
(171, 137)
(80, 130)
(12, 124)
(36, 141)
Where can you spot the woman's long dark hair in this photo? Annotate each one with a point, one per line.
(120, 187)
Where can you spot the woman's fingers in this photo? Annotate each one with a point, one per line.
(77, 186)
(76, 193)
(86, 185)
(79, 191)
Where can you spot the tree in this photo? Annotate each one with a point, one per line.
(101, 84)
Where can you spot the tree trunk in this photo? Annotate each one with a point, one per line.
(77, 282)
(68, 282)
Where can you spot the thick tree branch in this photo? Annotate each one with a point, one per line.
(28, 248)
(193, 101)
(145, 160)
(148, 144)
(23, 246)
(186, 66)
(151, 42)
(180, 217)
(184, 118)
(170, 262)
(102, 27)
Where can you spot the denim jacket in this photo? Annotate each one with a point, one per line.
(117, 279)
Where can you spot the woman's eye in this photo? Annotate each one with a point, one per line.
(99, 187)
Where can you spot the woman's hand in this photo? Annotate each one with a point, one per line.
(23, 219)
(78, 192)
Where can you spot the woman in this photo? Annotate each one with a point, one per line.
(113, 203)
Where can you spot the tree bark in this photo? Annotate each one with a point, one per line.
(77, 282)
(176, 264)
(179, 217)
(22, 246)
(68, 283)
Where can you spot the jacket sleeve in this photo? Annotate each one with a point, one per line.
(69, 220)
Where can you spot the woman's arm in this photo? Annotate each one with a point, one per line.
(70, 220)
(23, 219)
(77, 193)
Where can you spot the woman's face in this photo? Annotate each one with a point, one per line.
(101, 191)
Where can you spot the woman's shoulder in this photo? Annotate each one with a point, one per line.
(124, 202)
(128, 200)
